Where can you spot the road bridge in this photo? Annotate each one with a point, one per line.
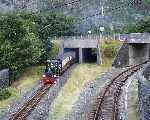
(86, 47)
(135, 50)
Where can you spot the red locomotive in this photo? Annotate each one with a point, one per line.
(56, 67)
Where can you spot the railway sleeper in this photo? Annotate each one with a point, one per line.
(119, 89)
(108, 109)
(105, 117)
(106, 105)
(117, 94)
(99, 98)
(118, 84)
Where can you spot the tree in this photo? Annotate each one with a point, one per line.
(11, 29)
(25, 38)
(139, 27)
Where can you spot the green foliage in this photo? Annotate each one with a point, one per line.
(110, 48)
(55, 25)
(25, 38)
(11, 29)
(18, 47)
(4, 93)
(49, 24)
(54, 51)
(139, 27)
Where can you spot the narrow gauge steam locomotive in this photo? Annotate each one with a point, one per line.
(56, 67)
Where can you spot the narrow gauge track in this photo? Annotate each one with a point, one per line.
(54, 69)
(107, 103)
(25, 110)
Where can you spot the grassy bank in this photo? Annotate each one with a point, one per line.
(28, 79)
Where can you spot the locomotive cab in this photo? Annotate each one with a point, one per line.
(52, 71)
(53, 67)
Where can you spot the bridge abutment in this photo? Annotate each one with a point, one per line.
(138, 53)
(135, 50)
(80, 55)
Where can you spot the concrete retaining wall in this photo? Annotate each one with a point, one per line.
(4, 78)
(122, 58)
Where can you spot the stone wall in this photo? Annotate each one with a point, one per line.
(4, 78)
(144, 94)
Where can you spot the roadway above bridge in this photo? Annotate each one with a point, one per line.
(136, 37)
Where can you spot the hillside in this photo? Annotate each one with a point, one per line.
(112, 14)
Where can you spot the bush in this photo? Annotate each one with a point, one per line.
(4, 93)
(18, 47)
(25, 38)
(110, 48)
(139, 27)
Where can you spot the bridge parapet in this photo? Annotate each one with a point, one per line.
(136, 37)
(81, 41)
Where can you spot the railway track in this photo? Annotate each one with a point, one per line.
(107, 102)
(25, 110)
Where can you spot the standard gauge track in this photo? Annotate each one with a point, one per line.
(25, 110)
(107, 102)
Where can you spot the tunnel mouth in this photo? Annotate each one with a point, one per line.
(76, 50)
(89, 55)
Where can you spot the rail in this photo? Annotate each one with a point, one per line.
(107, 102)
(25, 110)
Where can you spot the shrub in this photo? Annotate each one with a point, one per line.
(139, 27)
(18, 47)
(110, 48)
(4, 93)
(25, 38)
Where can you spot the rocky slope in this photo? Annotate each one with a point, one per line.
(110, 13)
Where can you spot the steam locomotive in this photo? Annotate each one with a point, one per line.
(56, 67)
